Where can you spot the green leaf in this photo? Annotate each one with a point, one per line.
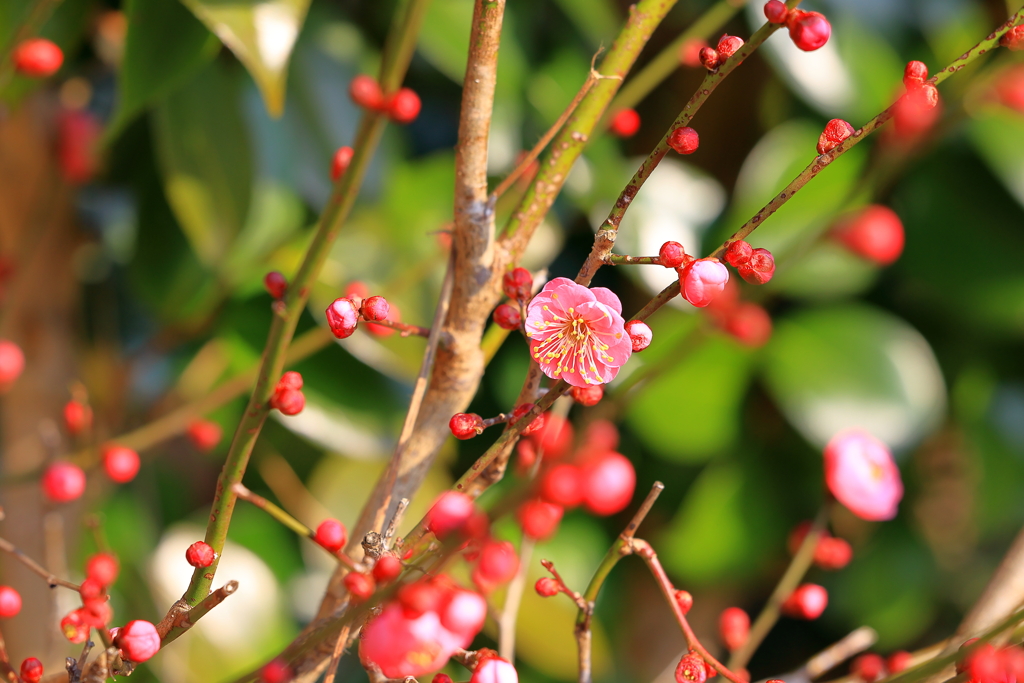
(849, 366)
(597, 20)
(998, 135)
(261, 33)
(165, 46)
(204, 156)
(686, 425)
(276, 214)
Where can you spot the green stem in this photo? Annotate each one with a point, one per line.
(624, 260)
(394, 64)
(661, 67)
(798, 567)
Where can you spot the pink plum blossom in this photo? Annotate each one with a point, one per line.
(576, 333)
(861, 474)
(703, 280)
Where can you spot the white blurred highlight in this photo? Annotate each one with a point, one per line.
(277, 27)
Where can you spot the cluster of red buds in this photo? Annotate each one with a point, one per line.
(985, 663)
(344, 313)
(808, 30)
(711, 57)
(918, 109)
(288, 397)
(831, 553)
(402, 106)
(870, 667)
(517, 285)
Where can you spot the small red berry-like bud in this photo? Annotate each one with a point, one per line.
(868, 667)
(749, 324)
(449, 513)
(808, 601)
(97, 613)
(441, 678)
(898, 661)
(404, 106)
(387, 569)
(375, 308)
(776, 11)
(466, 425)
(587, 396)
(832, 553)
(522, 409)
(10, 602)
(204, 434)
(727, 46)
(342, 317)
(760, 268)
(876, 233)
(691, 669)
(517, 284)
(684, 140)
(77, 417)
(703, 280)
(275, 284)
(562, 485)
(671, 254)
(914, 73)
(738, 253)
(546, 587)
(733, 627)
(331, 535)
(121, 464)
(507, 317)
(640, 334)
(91, 589)
(290, 380)
(539, 519)
(37, 58)
(74, 626)
(708, 57)
(200, 554)
(276, 671)
(360, 586)
(625, 123)
(835, 132)
(498, 563)
(608, 483)
(684, 600)
(339, 163)
(365, 91)
(63, 482)
(103, 567)
(689, 52)
(808, 30)
(1013, 39)
(31, 670)
(418, 598)
(12, 362)
(288, 401)
(138, 640)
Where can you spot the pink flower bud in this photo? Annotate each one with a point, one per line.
(760, 268)
(10, 602)
(121, 464)
(138, 640)
(494, 670)
(539, 519)
(342, 317)
(37, 58)
(449, 513)
(807, 602)
(466, 425)
(671, 254)
(703, 280)
(608, 481)
(331, 535)
(776, 11)
(375, 308)
(727, 46)
(465, 613)
(861, 474)
(733, 627)
(63, 482)
(275, 284)
(808, 30)
(517, 284)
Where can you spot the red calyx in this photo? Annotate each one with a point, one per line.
(835, 132)
(625, 123)
(684, 140)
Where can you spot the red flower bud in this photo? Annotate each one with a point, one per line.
(517, 284)
(588, 396)
(776, 11)
(200, 554)
(835, 132)
(342, 317)
(63, 482)
(733, 627)
(275, 284)
(708, 57)
(331, 535)
(339, 164)
(808, 601)
(671, 254)
(625, 123)
(466, 425)
(760, 268)
(640, 334)
(138, 640)
(404, 106)
(684, 140)
(37, 58)
(547, 587)
(10, 602)
(808, 30)
(31, 670)
(507, 317)
(365, 91)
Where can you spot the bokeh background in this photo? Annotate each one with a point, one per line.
(146, 189)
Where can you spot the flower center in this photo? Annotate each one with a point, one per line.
(572, 344)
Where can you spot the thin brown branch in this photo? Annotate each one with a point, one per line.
(39, 569)
(339, 650)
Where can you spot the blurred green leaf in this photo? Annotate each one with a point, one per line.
(826, 270)
(998, 135)
(204, 155)
(164, 47)
(261, 33)
(690, 410)
(598, 20)
(876, 69)
(849, 366)
(276, 214)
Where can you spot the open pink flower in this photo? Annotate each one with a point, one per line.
(576, 333)
(861, 474)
